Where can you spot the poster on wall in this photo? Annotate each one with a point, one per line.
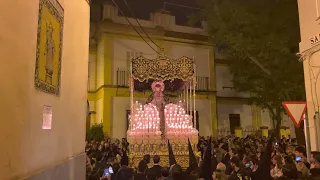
(47, 117)
(49, 46)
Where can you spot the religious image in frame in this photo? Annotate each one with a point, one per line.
(49, 46)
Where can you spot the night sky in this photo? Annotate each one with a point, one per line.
(143, 8)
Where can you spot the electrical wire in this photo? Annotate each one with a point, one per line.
(132, 13)
(133, 26)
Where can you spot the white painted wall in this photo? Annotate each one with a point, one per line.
(205, 117)
(200, 54)
(224, 79)
(121, 104)
(92, 72)
(100, 64)
(121, 47)
(223, 111)
(265, 119)
(309, 27)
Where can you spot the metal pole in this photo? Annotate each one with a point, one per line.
(131, 93)
(187, 96)
(190, 93)
(194, 94)
(317, 130)
(307, 135)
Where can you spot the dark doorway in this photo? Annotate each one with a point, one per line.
(234, 120)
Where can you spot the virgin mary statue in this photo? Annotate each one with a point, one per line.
(159, 99)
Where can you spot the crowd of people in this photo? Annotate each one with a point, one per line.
(227, 158)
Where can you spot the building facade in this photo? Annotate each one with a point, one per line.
(309, 50)
(115, 42)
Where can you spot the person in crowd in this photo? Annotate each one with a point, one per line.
(315, 165)
(277, 163)
(254, 164)
(300, 151)
(246, 157)
(164, 173)
(141, 171)
(156, 169)
(176, 172)
(147, 158)
(220, 172)
(194, 175)
(289, 172)
(237, 172)
(125, 173)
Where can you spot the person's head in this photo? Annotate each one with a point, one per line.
(142, 166)
(125, 173)
(290, 150)
(315, 157)
(300, 151)
(176, 172)
(235, 162)
(194, 175)
(219, 172)
(156, 159)
(277, 161)
(225, 147)
(165, 172)
(147, 158)
(124, 161)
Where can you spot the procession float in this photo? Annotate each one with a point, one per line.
(168, 112)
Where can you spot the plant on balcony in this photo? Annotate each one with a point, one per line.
(260, 40)
(95, 133)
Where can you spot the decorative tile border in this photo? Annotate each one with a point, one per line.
(57, 12)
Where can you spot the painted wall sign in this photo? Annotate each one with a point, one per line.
(315, 39)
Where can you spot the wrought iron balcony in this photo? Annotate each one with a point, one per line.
(123, 77)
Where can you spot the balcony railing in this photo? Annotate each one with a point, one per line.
(123, 77)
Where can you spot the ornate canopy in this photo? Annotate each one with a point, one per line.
(162, 69)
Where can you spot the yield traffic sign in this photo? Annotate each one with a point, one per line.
(296, 111)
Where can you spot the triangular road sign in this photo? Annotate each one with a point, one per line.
(296, 111)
